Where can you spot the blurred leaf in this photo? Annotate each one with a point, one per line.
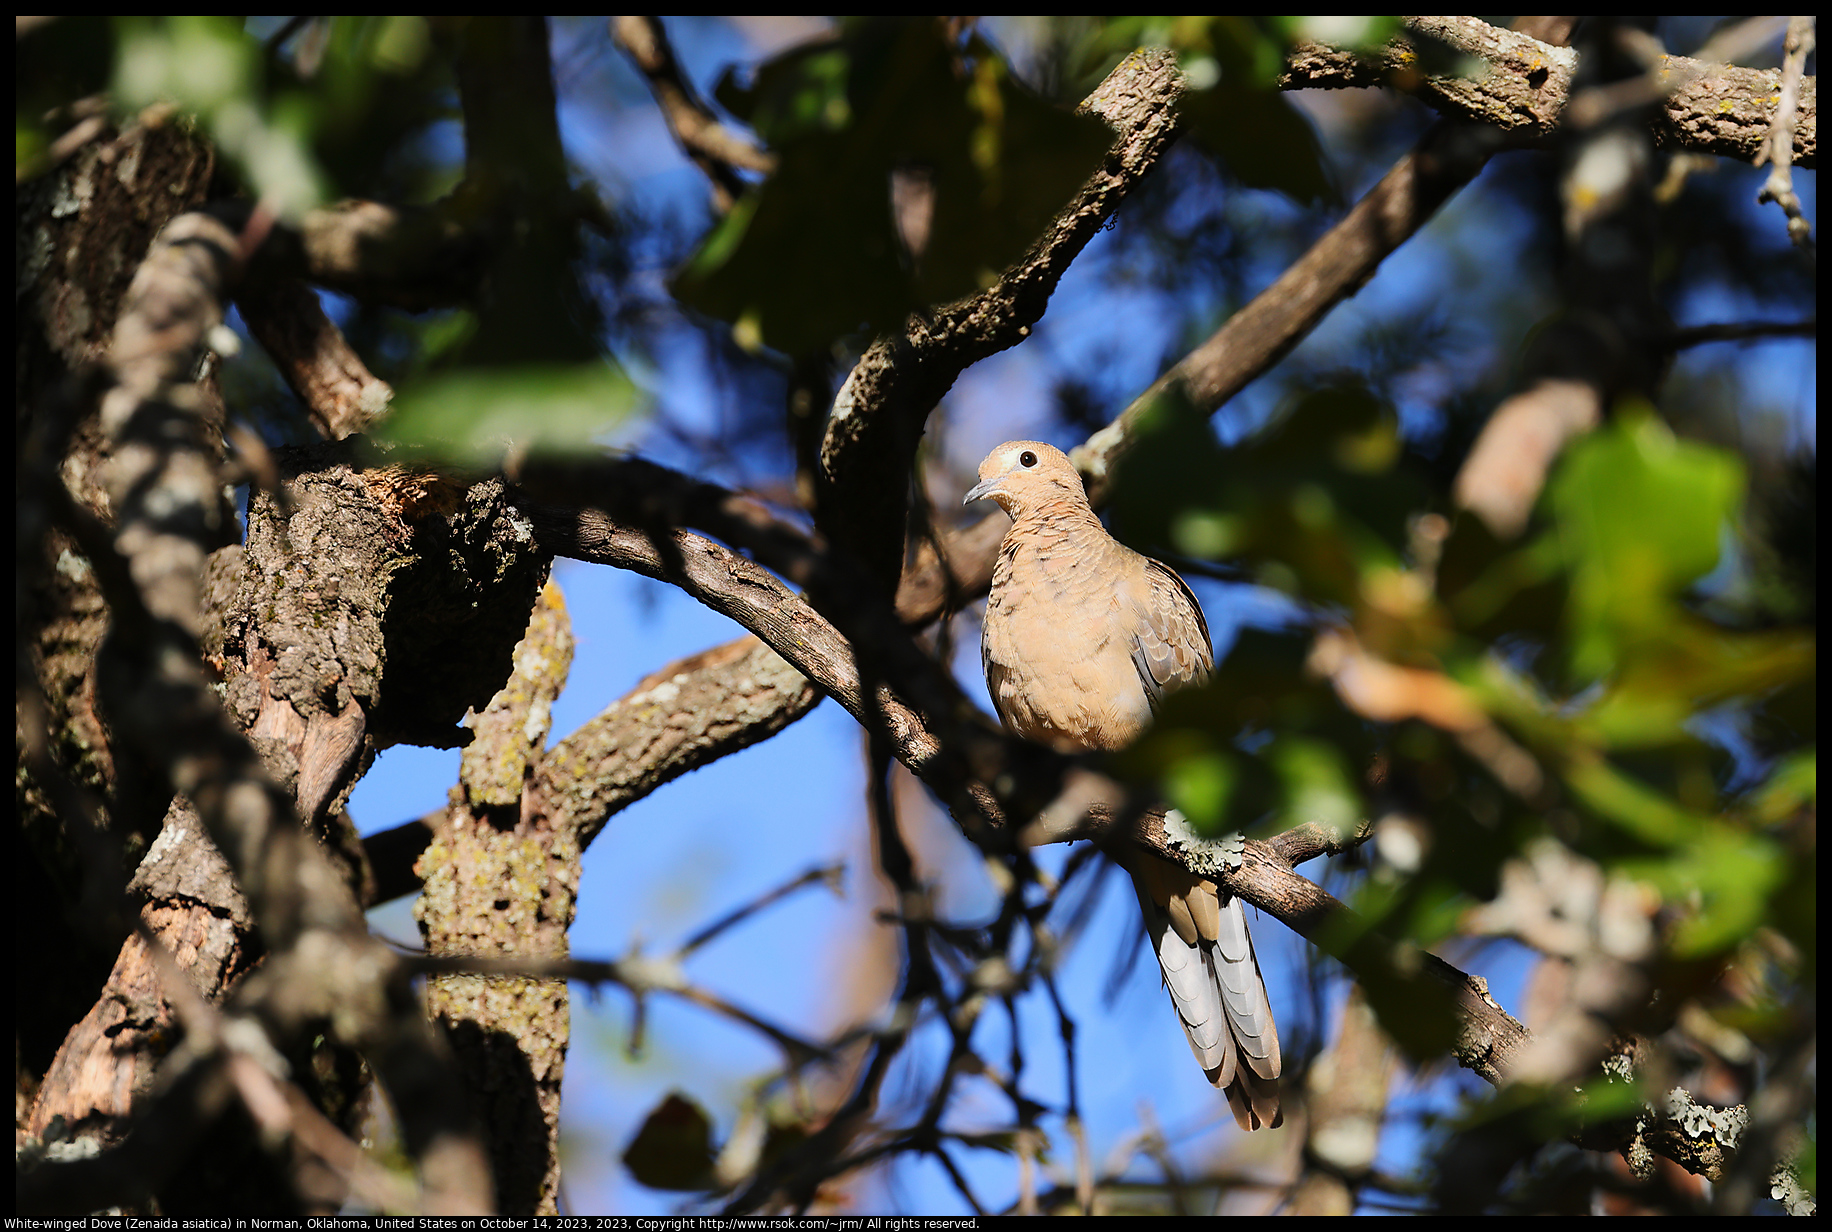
(1793, 786)
(1263, 139)
(1640, 516)
(1659, 688)
(1207, 754)
(1316, 783)
(1494, 591)
(1220, 791)
(1233, 106)
(1352, 33)
(1414, 1007)
(1650, 816)
(1549, 1114)
(56, 63)
(674, 1149)
(1261, 687)
(209, 67)
(30, 146)
(378, 86)
(797, 94)
(473, 416)
(1313, 502)
(816, 253)
(1733, 877)
(1721, 879)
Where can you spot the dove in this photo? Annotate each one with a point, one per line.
(1082, 638)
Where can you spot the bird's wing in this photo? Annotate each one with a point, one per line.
(1170, 647)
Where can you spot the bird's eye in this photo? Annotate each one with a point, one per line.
(1027, 458)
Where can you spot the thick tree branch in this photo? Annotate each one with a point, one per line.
(680, 717)
(1706, 108)
(1088, 806)
(1524, 88)
(749, 594)
(685, 715)
(162, 484)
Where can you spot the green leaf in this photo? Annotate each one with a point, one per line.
(474, 416)
(1317, 785)
(1723, 882)
(1313, 502)
(1640, 516)
(1208, 787)
(816, 253)
(210, 68)
(1793, 786)
(1650, 816)
(1233, 106)
(1688, 667)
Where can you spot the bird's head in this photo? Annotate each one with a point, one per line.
(1023, 475)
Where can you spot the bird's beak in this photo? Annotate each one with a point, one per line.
(980, 491)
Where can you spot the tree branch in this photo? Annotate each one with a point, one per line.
(162, 483)
(685, 715)
(1706, 107)
(714, 148)
(339, 392)
(869, 449)
(1088, 805)
(1281, 316)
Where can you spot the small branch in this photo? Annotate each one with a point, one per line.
(339, 392)
(869, 448)
(830, 875)
(1740, 331)
(714, 148)
(640, 976)
(1778, 151)
(1335, 267)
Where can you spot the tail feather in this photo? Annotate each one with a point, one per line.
(1244, 992)
(1214, 982)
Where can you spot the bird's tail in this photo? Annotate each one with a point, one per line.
(1203, 948)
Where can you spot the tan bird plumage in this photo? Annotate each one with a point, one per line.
(1082, 638)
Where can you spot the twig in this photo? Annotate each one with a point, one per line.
(1778, 152)
(830, 875)
(1740, 331)
(714, 148)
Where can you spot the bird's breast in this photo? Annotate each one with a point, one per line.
(1058, 661)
